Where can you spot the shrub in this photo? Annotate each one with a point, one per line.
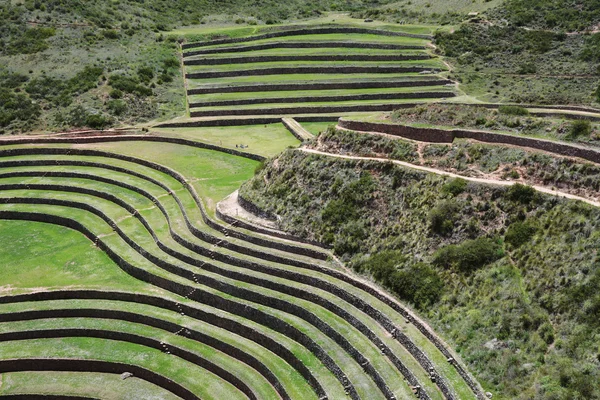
(145, 73)
(455, 186)
(513, 110)
(469, 255)
(115, 94)
(128, 84)
(110, 34)
(16, 107)
(520, 193)
(527, 69)
(519, 233)
(98, 121)
(419, 283)
(579, 128)
(442, 218)
(117, 107)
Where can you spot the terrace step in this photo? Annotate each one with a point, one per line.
(304, 45)
(303, 32)
(322, 99)
(310, 70)
(275, 87)
(337, 57)
(296, 129)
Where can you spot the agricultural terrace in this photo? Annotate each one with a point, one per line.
(120, 279)
(312, 70)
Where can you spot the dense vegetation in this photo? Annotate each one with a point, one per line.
(502, 277)
(102, 63)
(524, 38)
(511, 119)
(116, 74)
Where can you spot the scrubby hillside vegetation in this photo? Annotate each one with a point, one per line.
(532, 52)
(509, 276)
(543, 52)
(68, 63)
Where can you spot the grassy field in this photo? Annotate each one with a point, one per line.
(219, 184)
(265, 140)
(336, 92)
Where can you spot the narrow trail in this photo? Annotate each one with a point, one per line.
(541, 189)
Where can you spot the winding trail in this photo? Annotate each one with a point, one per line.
(496, 182)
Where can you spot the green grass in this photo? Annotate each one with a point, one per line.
(335, 92)
(216, 174)
(308, 51)
(105, 386)
(256, 382)
(265, 140)
(97, 349)
(57, 257)
(333, 18)
(321, 104)
(433, 63)
(316, 127)
(343, 37)
(307, 78)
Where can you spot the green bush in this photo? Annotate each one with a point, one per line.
(469, 255)
(579, 128)
(110, 34)
(98, 121)
(117, 107)
(115, 94)
(528, 68)
(418, 283)
(129, 84)
(455, 186)
(519, 233)
(442, 218)
(145, 73)
(513, 110)
(520, 193)
(16, 107)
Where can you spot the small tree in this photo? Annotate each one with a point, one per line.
(579, 128)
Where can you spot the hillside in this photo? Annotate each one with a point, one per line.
(506, 274)
(181, 217)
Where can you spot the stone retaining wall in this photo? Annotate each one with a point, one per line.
(129, 138)
(301, 110)
(284, 305)
(135, 339)
(167, 326)
(317, 86)
(245, 121)
(324, 57)
(309, 70)
(212, 224)
(79, 365)
(254, 209)
(217, 320)
(303, 45)
(308, 99)
(447, 136)
(195, 294)
(306, 31)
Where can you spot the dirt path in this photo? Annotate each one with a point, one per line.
(541, 189)
(230, 206)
